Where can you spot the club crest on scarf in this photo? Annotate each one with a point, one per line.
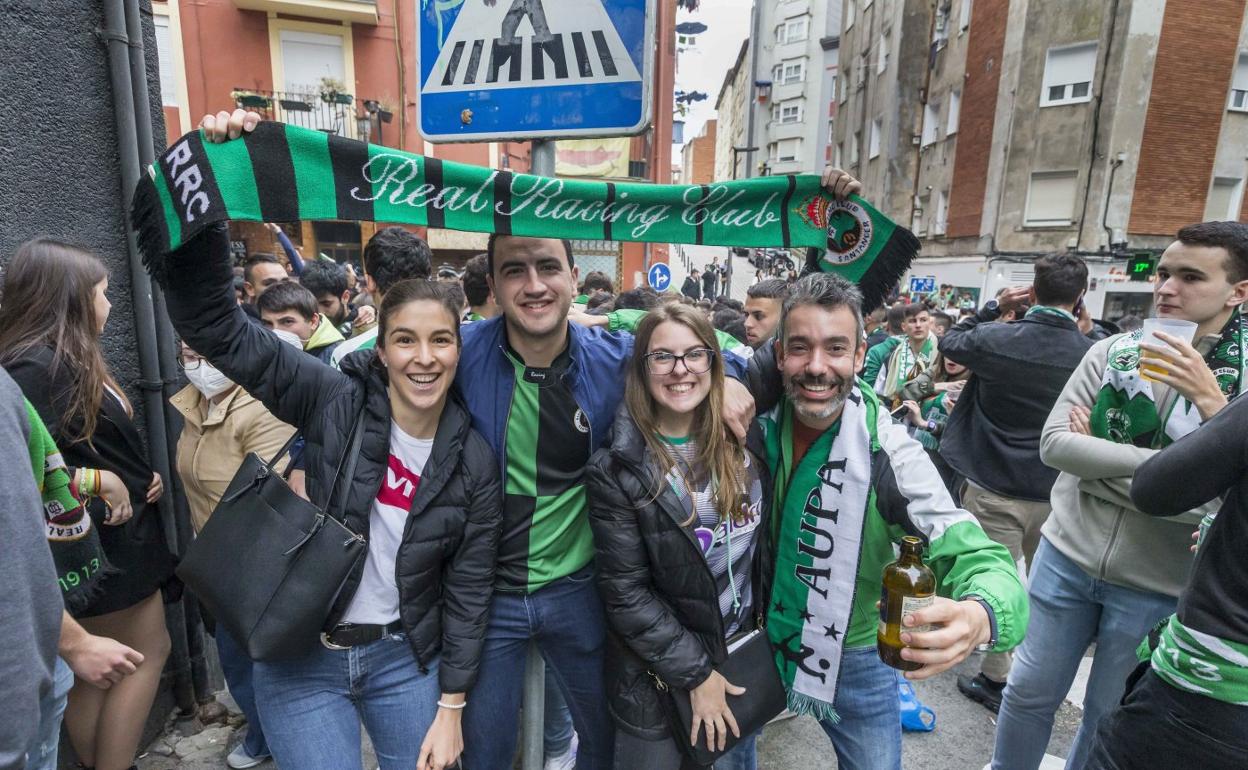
(847, 224)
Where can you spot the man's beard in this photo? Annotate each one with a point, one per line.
(824, 410)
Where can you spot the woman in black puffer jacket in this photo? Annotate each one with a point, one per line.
(404, 638)
(679, 512)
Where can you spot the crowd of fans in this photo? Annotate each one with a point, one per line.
(601, 489)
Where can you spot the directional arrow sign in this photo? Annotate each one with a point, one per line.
(660, 276)
(495, 69)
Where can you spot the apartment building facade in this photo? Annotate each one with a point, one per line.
(349, 67)
(794, 73)
(1016, 128)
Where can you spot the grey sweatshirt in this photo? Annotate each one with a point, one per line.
(1094, 523)
(30, 600)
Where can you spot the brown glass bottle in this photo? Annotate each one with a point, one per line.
(909, 585)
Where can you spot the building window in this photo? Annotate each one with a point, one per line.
(844, 89)
(164, 52)
(792, 71)
(873, 143)
(309, 57)
(942, 212)
(881, 55)
(785, 150)
(1239, 85)
(793, 30)
(838, 156)
(686, 40)
(831, 130)
(1225, 198)
(931, 123)
(851, 11)
(955, 113)
(853, 148)
(1051, 198)
(1068, 75)
(787, 112)
(964, 16)
(918, 222)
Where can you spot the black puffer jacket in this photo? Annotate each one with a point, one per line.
(661, 601)
(445, 564)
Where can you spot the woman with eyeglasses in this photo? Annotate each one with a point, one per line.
(222, 424)
(678, 510)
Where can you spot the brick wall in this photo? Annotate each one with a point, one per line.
(1195, 59)
(977, 118)
(702, 156)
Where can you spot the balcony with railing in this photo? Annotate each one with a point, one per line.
(355, 11)
(329, 111)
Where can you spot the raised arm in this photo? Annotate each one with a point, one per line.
(199, 284)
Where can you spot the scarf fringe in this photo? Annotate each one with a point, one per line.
(889, 267)
(808, 706)
(147, 218)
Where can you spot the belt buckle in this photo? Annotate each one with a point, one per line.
(330, 645)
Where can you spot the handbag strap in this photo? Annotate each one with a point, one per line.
(277, 456)
(348, 458)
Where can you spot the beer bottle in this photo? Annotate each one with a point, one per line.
(909, 585)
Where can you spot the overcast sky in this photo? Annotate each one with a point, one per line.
(702, 67)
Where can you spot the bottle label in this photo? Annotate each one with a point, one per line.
(912, 604)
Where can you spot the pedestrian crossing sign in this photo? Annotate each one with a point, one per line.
(504, 69)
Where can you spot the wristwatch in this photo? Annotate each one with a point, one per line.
(992, 622)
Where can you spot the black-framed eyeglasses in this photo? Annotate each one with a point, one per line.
(189, 366)
(696, 361)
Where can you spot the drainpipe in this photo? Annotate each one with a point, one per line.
(124, 50)
(170, 377)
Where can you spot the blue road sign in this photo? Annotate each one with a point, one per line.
(922, 285)
(660, 276)
(499, 69)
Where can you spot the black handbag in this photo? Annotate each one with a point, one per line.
(269, 565)
(751, 664)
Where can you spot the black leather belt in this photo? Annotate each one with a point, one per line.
(347, 635)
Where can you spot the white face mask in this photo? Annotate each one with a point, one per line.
(208, 380)
(289, 338)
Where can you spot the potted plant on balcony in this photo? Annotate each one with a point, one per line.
(334, 91)
(250, 100)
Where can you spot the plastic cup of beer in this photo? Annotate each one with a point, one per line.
(1184, 330)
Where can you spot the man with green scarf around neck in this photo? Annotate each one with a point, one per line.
(1104, 570)
(897, 360)
(849, 483)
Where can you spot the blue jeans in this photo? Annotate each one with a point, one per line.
(311, 707)
(43, 749)
(557, 731)
(1070, 609)
(566, 620)
(868, 737)
(236, 666)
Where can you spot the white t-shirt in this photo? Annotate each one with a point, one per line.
(376, 601)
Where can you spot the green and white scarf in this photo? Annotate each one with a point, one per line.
(281, 173)
(818, 539)
(1125, 410)
(75, 543)
(1197, 662)
(904, 364)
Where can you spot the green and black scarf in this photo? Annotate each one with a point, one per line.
(281, 173)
